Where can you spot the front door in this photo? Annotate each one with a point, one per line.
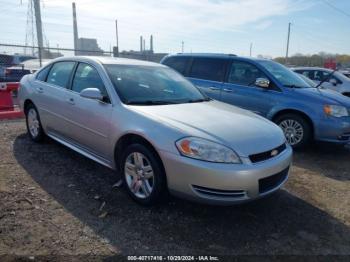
(240, 89)
(89, 119)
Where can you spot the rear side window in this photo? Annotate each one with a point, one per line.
(208, 68)
(60, 73)
(177, 63)
(243, 73)
(41, 76)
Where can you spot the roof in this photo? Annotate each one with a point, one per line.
(310, 68)
(218, 55)
(110, 60)
(205, 54)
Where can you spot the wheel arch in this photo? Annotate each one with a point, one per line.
(130, 138)
(26, 103)
(297, 112)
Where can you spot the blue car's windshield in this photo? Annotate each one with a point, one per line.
(284, 75)
(152, 85)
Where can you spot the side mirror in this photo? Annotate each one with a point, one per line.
(333, 81)
(91, 93)
(262, 82)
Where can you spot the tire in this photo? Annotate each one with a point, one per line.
(34, 127)
(297, 129)
(142, 189)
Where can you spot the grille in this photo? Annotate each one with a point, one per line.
(219, 193)
(269, 183)
(267, 154)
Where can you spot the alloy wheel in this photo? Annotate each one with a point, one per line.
(33, 122)
(293, 131)
(139, 175)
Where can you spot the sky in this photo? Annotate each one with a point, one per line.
(222, 26)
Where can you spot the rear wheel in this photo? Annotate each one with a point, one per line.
(34, 127)
(142, 174)
(297, 129)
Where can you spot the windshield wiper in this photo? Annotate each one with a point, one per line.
(293, 86)
(326, 79)
(150, 102)
(199, 100)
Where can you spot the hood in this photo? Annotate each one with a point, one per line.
(246, 133)
(326, 96)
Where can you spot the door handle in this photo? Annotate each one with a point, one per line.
(40, 89)
(71, 101)
(228, 90)
(214, 88)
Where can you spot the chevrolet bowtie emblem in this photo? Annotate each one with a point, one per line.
(274, 152)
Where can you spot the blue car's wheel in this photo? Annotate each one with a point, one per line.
(296, 129)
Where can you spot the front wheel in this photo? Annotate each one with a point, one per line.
(143, 175)
(296, 129)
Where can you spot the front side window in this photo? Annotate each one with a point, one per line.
(177, 63)
(242, 73)
(208, 68)
(285, 76)
(60, 73)
(87, 76)
(149, 85)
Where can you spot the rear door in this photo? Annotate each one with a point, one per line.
(50, 85)
(89, 120)
(208, 75)
(240, 89)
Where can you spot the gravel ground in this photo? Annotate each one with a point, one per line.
(54, 201)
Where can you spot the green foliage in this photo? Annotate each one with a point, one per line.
(315, 60)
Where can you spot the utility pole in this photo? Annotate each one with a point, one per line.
(39, 29)
(141, 44)
(251, 48)
(151, 44)
(117, 37)
(75, 29)
(287, 51)
(182, 46)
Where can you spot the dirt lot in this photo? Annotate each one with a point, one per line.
(51, 203)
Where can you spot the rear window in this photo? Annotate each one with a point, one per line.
(177, 63)
(208, 68)
(41, 76)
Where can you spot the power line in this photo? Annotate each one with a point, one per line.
(336, 8)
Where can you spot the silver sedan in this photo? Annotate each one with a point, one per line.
(156, 129)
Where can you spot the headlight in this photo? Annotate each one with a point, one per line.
(335, 110)
(206, 150)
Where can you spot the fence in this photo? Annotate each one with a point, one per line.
(17, 60)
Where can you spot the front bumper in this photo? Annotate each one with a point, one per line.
(333, 129)
(225, 184)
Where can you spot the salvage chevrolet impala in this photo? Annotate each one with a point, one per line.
(156, 129)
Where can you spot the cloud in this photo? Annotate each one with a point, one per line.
(170, 20)
(263, 25)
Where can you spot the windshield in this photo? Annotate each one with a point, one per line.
(148, 85)
(307, 80)
(284, 75)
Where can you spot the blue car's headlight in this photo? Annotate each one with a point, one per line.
(206, 150)
(335, 110)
